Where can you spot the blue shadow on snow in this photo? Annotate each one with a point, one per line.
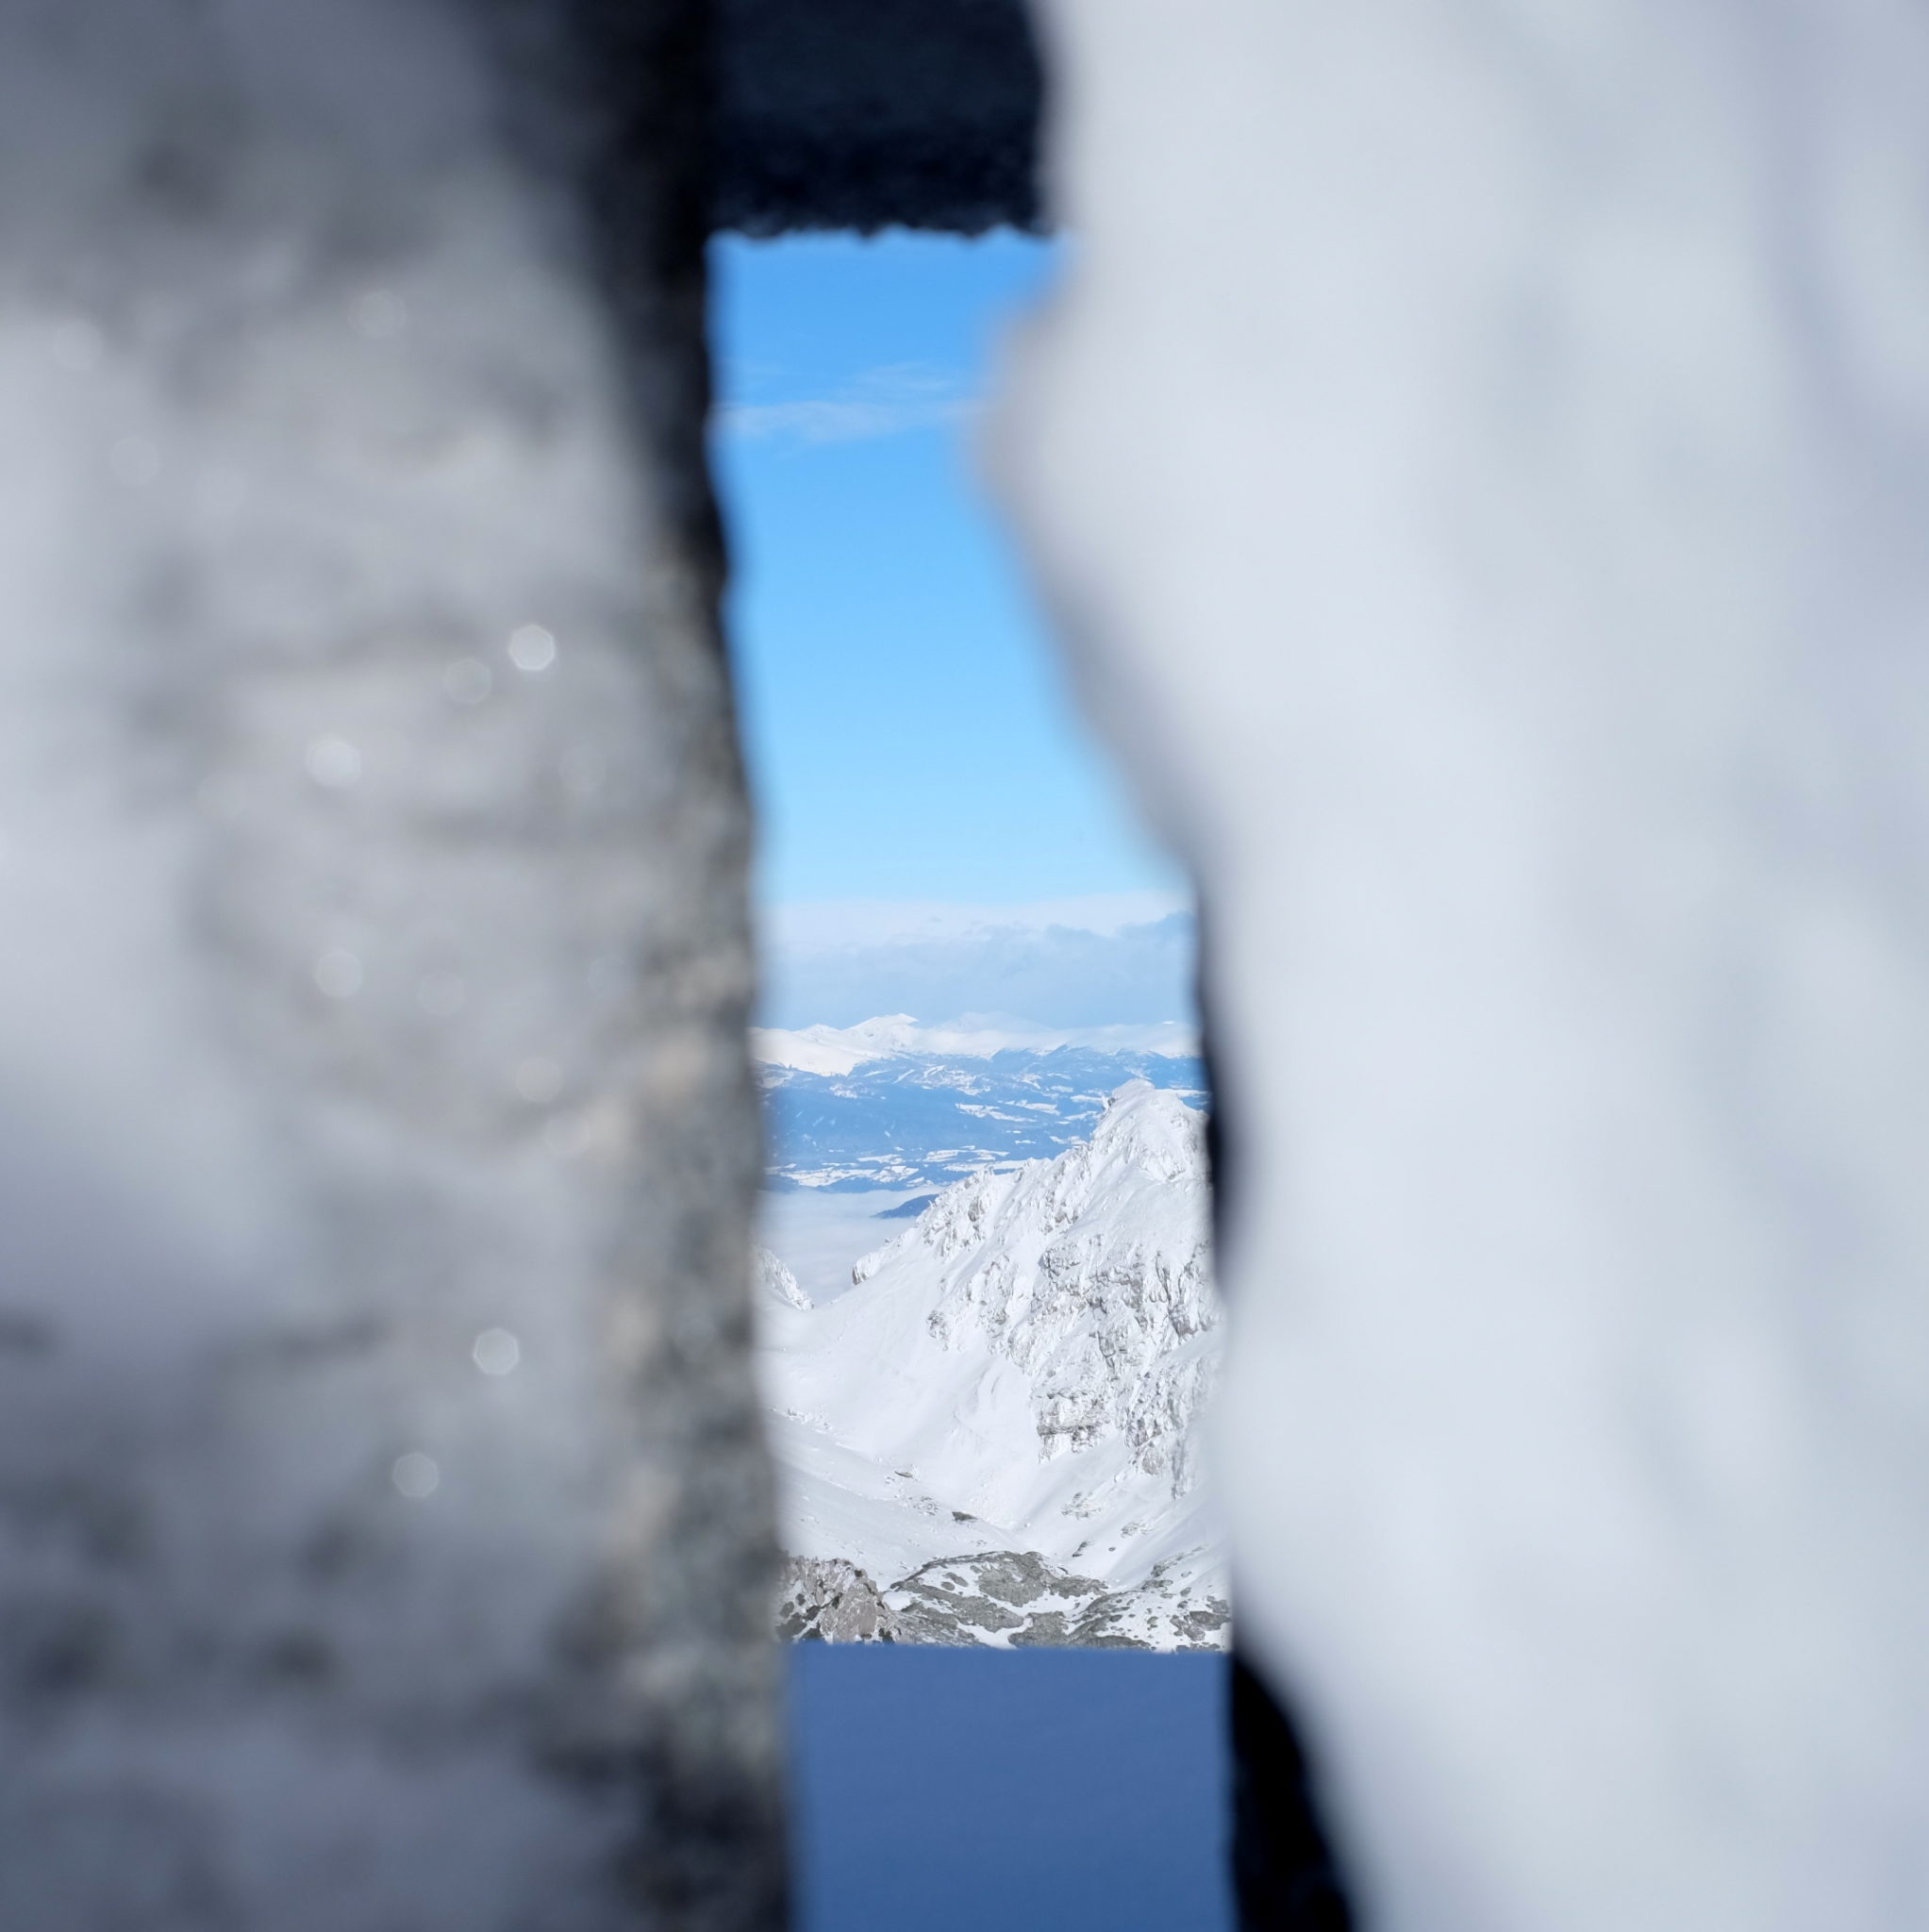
(1032, 1791)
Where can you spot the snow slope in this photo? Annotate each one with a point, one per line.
(999, 1415)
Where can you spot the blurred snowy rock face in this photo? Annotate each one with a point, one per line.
(384, 1526)
(990, 1438)
(1483, 454)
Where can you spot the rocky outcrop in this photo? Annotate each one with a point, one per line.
(1008, 1599)
(834, 1602)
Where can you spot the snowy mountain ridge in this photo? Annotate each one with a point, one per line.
(1094, 1286)
(840, 1049)
(993, 1430)
(922, 1120)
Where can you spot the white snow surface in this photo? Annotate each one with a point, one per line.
(1480, 453)
(1021, 1370)
(837, 1049)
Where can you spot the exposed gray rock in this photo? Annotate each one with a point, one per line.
(834, 1602)
(1006, 1598)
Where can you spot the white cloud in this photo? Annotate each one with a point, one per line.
(887, 401)
(826, 924)
(1119, 960)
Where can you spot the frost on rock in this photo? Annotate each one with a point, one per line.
(995, 1428)
(384, 1532)
(1481, 451)
(770, 1276)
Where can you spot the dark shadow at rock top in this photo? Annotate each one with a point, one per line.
(875, 113)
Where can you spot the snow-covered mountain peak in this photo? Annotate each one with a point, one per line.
(836, 1049)
(1153, 1130)
(1145, 1159)
(1034, 1347)
(989, 1438)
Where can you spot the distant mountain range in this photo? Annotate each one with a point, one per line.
(988, 1439)
(893, 1105)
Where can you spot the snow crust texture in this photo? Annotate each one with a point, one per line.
(384, 1523)
(1481, 452)
(992, 1437)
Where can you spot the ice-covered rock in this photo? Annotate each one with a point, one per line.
(384, 1536)
(772, 1277)
(1481, 449)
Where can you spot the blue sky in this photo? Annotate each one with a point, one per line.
(910, 738)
